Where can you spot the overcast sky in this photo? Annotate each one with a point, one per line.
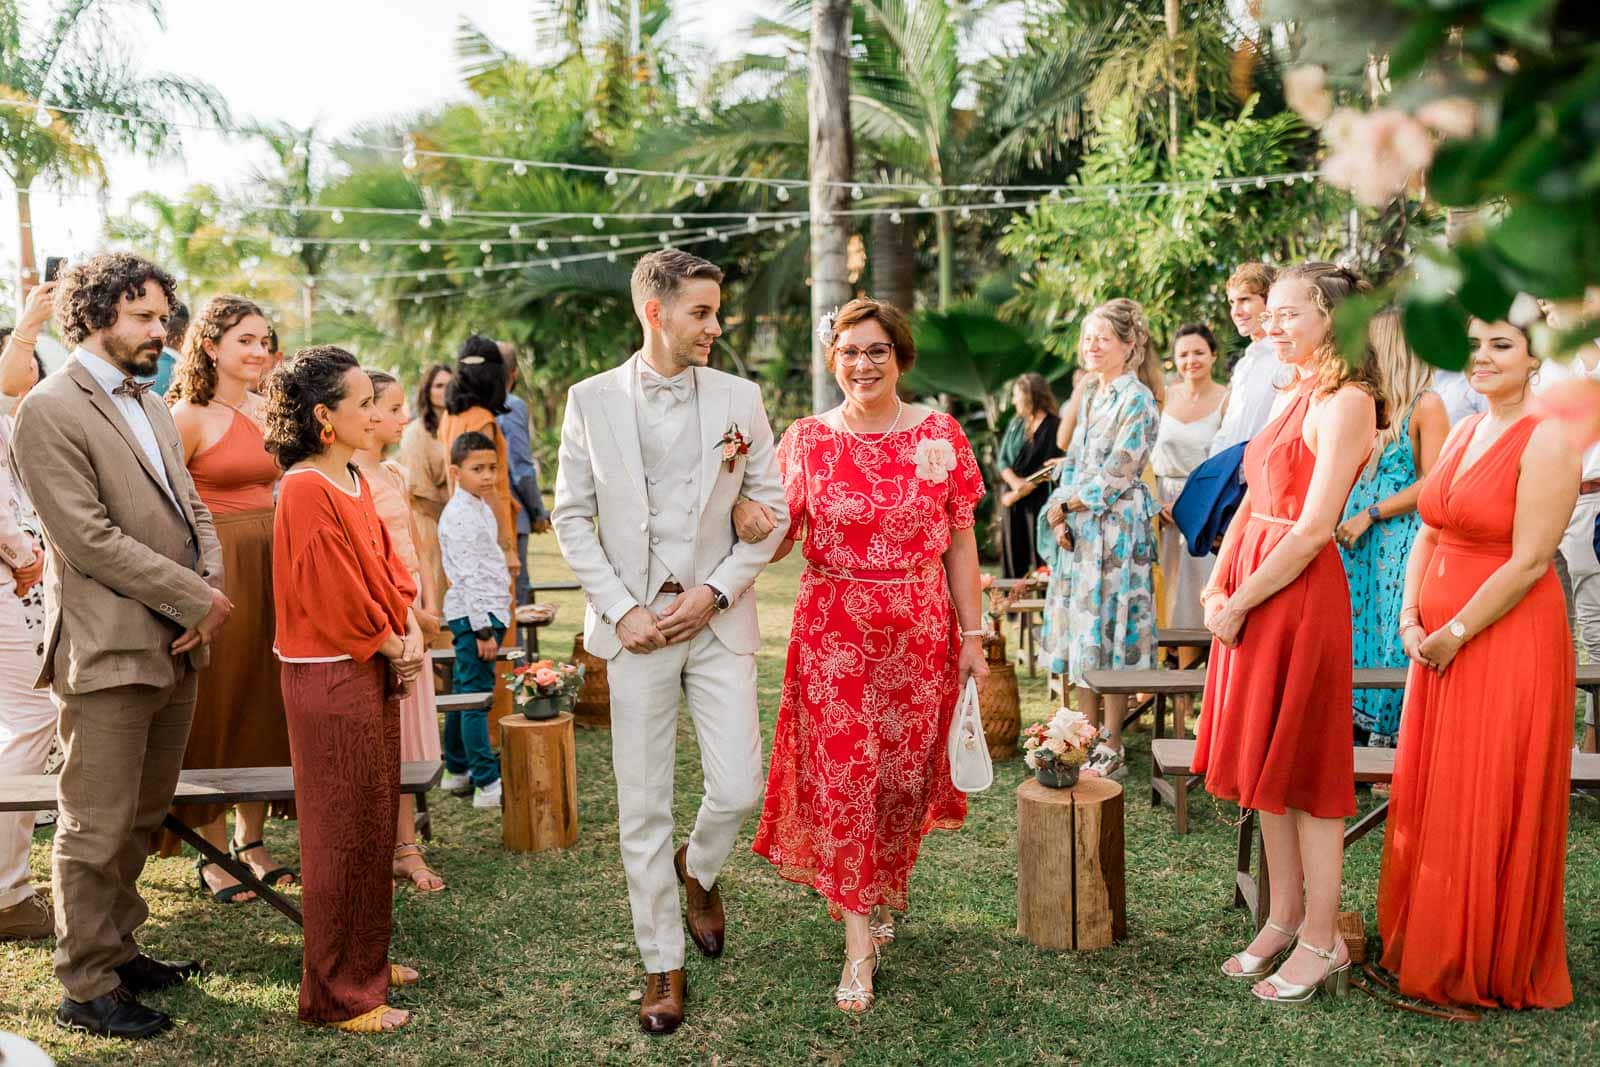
(336, 63)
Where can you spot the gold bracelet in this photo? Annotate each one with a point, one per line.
(24, 340)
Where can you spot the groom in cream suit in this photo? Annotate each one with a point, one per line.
(654, 456)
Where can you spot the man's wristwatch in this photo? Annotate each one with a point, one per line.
(1374, 514)
(719, 598)
(485, 634)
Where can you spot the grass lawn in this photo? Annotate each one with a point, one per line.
(529, 959)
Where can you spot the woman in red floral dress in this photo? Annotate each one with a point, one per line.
(887, 629)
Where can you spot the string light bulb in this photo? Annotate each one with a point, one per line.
(365, 245)
(677, 222)
(555, 264)
(41, 118)
(485, 247)
(895, 217)
(520, 169)
(424, 247)
(700, 189)
(425, 220)
(783, 194)
(616, 242)
(924, 200)
(514, 230)
(599, 223)
(856, 193)
(542, 245)
(337, 217)
(611, 177)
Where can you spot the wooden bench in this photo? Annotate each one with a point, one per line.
(235, 785)
(1184, 686)
(1173, 755)
(1027, 638)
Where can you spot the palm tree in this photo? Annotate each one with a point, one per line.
(71, 63)
(832, 163)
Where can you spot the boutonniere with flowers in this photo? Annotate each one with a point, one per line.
(734, 444)
(936, 458)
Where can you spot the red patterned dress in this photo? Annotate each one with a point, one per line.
(859, 772)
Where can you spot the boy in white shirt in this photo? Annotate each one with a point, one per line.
(477, 608)
(1257, 376)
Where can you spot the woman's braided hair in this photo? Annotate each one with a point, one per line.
(1331, 285)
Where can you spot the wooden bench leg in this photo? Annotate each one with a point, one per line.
(1245, 889)
(423, 821)
(241, 871)
(1263, 884)
(1181, 707)
(1362, 826)
(1180, 803)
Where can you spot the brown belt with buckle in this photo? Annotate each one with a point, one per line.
(671, 587)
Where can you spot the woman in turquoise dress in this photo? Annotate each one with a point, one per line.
(1380, 523)
(1098, 525)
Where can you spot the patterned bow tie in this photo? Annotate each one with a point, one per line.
(679, 389)
(132, 388)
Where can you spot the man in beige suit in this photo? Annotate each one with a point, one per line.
(654, 456)
(133, 595)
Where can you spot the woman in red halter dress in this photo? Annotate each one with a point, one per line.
(1474, 859)
(1276, 731)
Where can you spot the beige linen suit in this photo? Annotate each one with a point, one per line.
(632, 514)
(129, 570)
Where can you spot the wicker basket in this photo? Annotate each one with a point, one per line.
(592, 709)
(1354, 931)
(999, 702)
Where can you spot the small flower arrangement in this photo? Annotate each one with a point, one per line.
(1055, 750)
(734, 444)
(542, 690)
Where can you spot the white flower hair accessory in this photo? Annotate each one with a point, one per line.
(936, 458)
(825, 327)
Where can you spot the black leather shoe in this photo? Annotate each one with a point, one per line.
(145, 975)
(117, 1014)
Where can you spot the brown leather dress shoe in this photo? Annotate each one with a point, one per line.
(661, 1011)
(703, 908)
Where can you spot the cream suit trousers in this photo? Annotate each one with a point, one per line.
(645, 692)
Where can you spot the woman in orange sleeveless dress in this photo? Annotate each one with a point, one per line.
(1276, 731)
(238, 716)
(1470, 904)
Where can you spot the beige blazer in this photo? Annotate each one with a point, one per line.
(128, 571)
(601, 513)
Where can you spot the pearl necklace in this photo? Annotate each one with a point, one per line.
(898, 407)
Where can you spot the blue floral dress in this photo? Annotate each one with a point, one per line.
(1376, 569)
(1100, 605)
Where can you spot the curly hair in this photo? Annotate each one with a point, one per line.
(424, 408)
(891, 318)
(195, 376)
(314, 376)
(91, 292)
(1331, 285)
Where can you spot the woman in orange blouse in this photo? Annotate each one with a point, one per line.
(474, 399)
(350, 645)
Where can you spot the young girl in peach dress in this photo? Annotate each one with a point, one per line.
(419, 716)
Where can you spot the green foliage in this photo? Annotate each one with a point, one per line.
(969, 353)
(1531, 169)
(1173, 251)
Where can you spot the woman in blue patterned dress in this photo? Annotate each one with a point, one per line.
(1380, 522)
(1099, 524)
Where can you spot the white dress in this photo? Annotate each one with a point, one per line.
(1181, 447)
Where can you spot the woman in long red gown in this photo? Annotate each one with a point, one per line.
(1474, 859)
(1277, 724)
(887, 628)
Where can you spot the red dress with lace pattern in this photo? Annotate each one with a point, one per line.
(859, 771)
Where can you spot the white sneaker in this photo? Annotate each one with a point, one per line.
(488, 796)
(455, 783)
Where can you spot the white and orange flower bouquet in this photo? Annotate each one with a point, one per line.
(1065, 741)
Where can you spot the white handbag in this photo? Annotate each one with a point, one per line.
(971, 770)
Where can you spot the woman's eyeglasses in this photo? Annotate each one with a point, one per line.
(1287, 317)
(877, 355)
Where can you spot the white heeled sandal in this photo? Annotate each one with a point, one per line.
(852, 997)
(1259, 966)
(1335, 981)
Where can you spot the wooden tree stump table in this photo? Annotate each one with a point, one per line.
(539, 774)
(1070, 889)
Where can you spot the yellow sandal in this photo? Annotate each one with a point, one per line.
(397, 977)
(370, 1022)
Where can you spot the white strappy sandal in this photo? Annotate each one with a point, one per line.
(1258, 966)
(1335, 981)
(852, 997)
